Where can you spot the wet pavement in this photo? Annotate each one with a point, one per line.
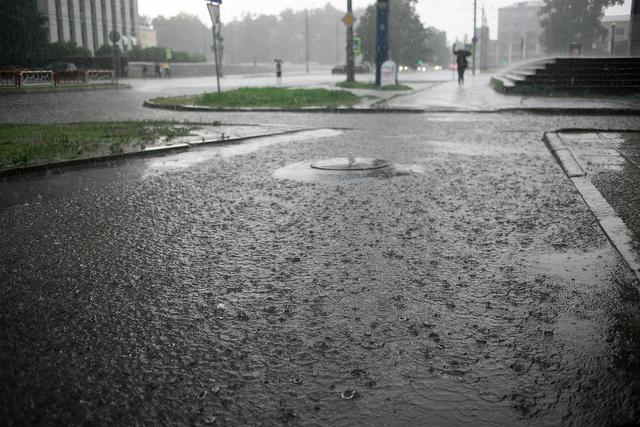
(477, 95)
(467, 282)
(609, 162)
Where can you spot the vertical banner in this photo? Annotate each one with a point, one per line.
(382, 36)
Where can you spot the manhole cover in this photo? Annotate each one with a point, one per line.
(350, 164)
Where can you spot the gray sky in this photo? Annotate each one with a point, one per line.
(453, 16)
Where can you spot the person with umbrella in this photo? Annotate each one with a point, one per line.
(461, 62)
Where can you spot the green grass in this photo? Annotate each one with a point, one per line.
(267, 97)
(28, 144)
(371, 86)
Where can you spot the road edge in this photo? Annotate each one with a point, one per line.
(609, 221)
(149, 151)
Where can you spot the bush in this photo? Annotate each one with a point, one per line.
(68, 49)
(158, 54)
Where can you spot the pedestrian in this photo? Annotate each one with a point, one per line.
(144, 71)
(157, 70)
(461, 63)
(278, 69)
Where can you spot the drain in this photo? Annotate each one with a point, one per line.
(350, 164)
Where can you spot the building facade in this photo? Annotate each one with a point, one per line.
(519, 32)
(621, 26)
(89, 22)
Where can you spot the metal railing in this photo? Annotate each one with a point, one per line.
(34, 78)
(22, 78)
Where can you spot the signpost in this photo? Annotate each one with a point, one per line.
(348, 20)
(214, 13)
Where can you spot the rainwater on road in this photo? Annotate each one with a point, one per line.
(469, 284)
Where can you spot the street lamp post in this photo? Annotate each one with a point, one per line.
(474, 40)
(613, 39)
(214, 13)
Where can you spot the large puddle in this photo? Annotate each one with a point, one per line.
(308, 171)
(212, 152)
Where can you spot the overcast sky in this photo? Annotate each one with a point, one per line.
(453, 16)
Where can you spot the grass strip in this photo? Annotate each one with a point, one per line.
(371, 86)
(29, 144)
(273, 97)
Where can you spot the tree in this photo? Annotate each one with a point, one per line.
(572, 21)
(408, 38)
(184, 32)
(439, 53)
(23, 33)
(68, 49)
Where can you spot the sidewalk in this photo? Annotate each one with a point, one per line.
(478, 96)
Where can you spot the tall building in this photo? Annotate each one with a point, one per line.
(519, 32)
(89, 22)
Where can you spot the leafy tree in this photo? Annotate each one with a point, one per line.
(68, 49)
(572, 21)
(263, 38)
(23, 33)
(105, 50)
(183, 32)
(439, 53)
(408, 37)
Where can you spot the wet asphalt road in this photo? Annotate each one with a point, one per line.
(469, 285)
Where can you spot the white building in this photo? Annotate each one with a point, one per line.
(89, 22)
(519, 32)
(621, 26)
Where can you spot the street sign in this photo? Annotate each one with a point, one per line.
(357, 45)
(114, 36)
(168, 54)
(214, 13)
(348, 19)
(388, 74)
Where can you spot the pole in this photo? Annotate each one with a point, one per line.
(613, 39)
(350, 58)
(115, 62)
(337, 42)
(634, 37)
(382, 37)
(475, 36)
(215, 54)
(306, 38)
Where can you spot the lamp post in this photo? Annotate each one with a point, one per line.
(613, 39)
(348, 20)
(214, 13)
(474, 40)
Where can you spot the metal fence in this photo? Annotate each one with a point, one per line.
(32, 78)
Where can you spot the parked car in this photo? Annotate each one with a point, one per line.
(363, 68)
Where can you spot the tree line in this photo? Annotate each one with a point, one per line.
(263, 38)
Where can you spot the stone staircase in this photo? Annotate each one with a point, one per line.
(608, 76)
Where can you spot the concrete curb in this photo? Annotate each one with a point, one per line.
(196, 108)
(150, 151)
(374, 110)
(610, 222)
(565, 158)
